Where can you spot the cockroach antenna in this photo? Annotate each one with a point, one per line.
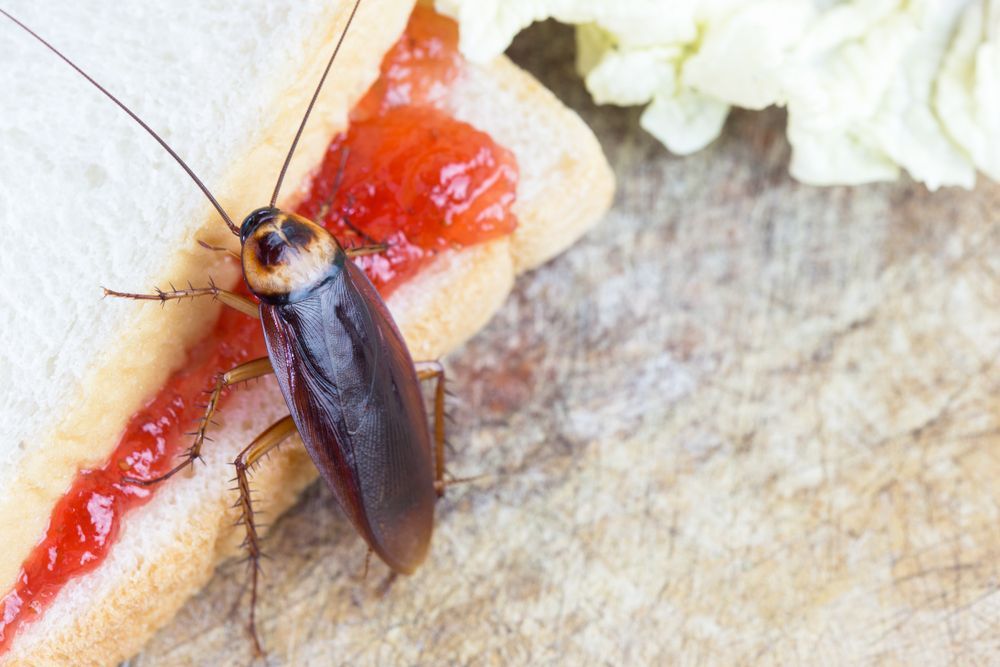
(218, 207)
(312, 102)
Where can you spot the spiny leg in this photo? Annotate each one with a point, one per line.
(427, 370)
(215, 248)
(246, 371)
(362, 250)
(360, 232)
(275, 434)
(386, 584)
(368, 562)
(372, 247)
(240, 303)
(325, 208)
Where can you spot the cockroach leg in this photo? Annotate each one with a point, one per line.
(368, 562)
(245, 371)
(362, 250)
(275, 434)
(460, 480)
(386, 584)
(216, 248)
(325, 208)
(427, 370)
(360, 232)
(235, 301)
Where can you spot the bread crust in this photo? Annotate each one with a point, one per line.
(169, 548)
(566, 183)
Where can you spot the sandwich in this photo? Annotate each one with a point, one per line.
(94, 388)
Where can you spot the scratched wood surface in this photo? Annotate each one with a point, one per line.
(745, 421)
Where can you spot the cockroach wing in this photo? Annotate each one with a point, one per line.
(353, 393)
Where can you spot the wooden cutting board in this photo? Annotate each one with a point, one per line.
(745, 421)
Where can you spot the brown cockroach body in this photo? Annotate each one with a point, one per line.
(352, 390)
(348, 379)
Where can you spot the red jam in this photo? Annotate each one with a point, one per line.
(418, 68)
(405, 174)
(416, 180)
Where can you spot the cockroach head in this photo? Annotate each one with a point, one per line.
(256, 219)
(285, 256)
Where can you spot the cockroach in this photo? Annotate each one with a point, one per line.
(352, 389)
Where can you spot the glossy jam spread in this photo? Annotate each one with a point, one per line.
(417, 181)
(405, 174)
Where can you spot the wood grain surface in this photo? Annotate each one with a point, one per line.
(745, 421)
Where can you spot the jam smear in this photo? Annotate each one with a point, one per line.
(418, 69)
(405, 174)
(416, 180)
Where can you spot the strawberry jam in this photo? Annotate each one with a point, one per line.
(418, 181)
(405, 174)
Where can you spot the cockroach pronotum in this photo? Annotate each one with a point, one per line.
(352, 389)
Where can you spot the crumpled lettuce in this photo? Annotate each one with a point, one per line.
(871, 86)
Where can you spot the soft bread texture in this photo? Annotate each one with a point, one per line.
(168, 548)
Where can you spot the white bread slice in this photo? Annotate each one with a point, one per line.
(168, 548)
